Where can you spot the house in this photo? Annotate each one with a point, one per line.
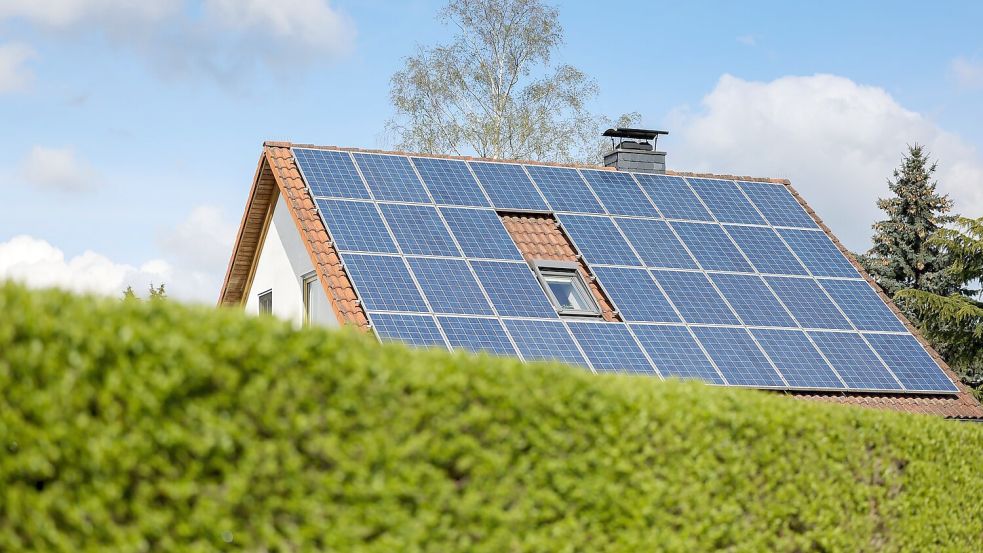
(626, 268)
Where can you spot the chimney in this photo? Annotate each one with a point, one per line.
(634, 152)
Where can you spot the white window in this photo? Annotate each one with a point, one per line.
(317, 310)
(566, 288)
(266, 303)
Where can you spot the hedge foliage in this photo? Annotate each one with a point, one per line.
(135, 426)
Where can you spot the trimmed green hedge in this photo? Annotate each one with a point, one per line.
(152, 426)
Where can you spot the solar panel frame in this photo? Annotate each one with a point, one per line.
(738, 357)
(818, 253)
(726, 201)
(673, 197)
(480, 233)
(598, 240)
(766, 250)
(414, 329)
(777, 204)
(384, 283)
(656, 243)
(862, 306)
(450, 182)
(855, 361)
(449, 286)
(565, 189)
(910, 363)
(619, 193)
(508, 186)
(545, 341)
(513, 289)
(808, 303)
(675, 352)
(797, 358)
(695, 297)
(419, 230)
(636, 295)
(611, 348)
(711, 246)
(752, 300)
(477, 334)
(330, 174)
(391, 178)
(355, 226)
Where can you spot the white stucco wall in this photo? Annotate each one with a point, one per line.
(283, 263)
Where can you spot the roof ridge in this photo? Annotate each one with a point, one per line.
(522, 161)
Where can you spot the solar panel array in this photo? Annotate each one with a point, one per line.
(729, 282)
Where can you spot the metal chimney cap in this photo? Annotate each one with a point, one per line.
(638, 134)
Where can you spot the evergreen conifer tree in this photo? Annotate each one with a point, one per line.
(904, 256)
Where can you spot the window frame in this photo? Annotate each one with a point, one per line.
(306, 280)
(262, 304)
(545, 268)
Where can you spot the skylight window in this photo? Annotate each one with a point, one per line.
(566, 288)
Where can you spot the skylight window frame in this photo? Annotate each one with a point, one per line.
(546, 268)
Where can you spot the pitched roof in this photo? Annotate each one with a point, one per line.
(537, 237)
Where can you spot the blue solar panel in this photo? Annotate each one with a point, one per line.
(862, 305)
(417, 330)
(330, 173)
(675, 352)
(854, 360)
(598, 240)
(673, 197)
(391, 178)
(384, 283)
(508, 186)
(695, 297)
(544, 340)
(778, 205)
(738, 357)
(711, 247)
(753, 301)
(611, 348)
(797, 359)
(419, 230)
(909, 361)
(449, 286)
(818, 253)
(766, 250)
(726, 201)
(655, 243)
(356, 226)
(636, 295)
(564, 189)
(474, 334)
(450, 182)
(619, 193)
(481, 233)
(513, 289)
(807, 302)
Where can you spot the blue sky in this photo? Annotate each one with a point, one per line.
(133, 129)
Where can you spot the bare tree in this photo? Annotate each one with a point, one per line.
(493, 90)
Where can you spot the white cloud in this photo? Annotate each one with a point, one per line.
(38, 264)
(836, 140)
(68, 13)
(747, 40)
(967, 73)
(57, 169)
(198, 248)
(222, 39)
(14, 75)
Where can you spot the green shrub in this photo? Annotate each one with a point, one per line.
(136, 426)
